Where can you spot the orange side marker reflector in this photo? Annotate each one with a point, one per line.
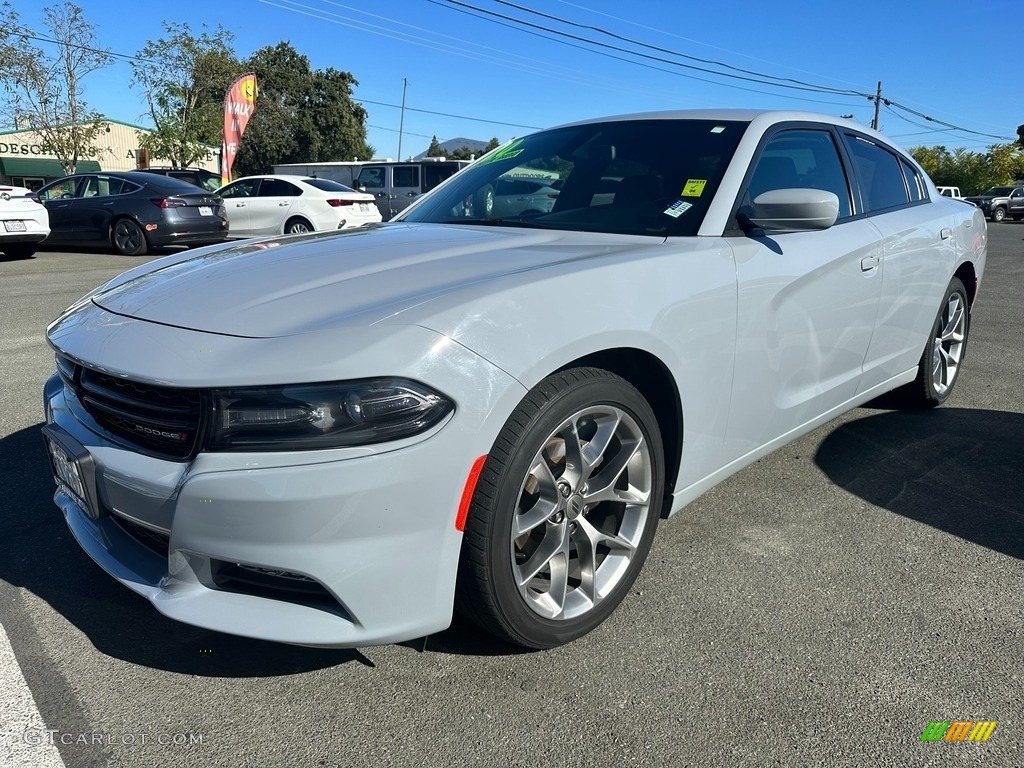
(467, 493)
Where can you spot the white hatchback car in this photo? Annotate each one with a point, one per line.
(334, 440)
(25, 222)
(288, 205)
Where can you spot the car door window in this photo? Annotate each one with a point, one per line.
(61, 190)
(406, 176)
(278, 188)
(879, 174)
(371, 178)
(915, 184)
(805, 159)
(243, 188)
(102, 186)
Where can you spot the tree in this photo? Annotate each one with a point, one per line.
(302, 115)
(1020, 135)
(492, 144)
(434, 150)
(43, 93)
(973, 172)
(184, 79)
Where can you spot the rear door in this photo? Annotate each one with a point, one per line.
(916, 236)
(271, 208)
(405, 187)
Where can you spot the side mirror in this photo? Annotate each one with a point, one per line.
(791, 210)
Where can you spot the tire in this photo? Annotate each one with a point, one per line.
(943, 356)
(548, 554)
(19, 250)
(128, 238)
(998, 214)
(483, 203)
(298, 226)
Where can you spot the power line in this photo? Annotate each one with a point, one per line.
(705, 70)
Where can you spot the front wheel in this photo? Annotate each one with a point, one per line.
(998, 214)
(565, 510)
(944, 354)
(483, 202)
(128, 238)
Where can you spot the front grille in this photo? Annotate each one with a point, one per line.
(160, 421)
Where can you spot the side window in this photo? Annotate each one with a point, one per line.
(407, 176)
(246, 188)
(914, 182)
(371, 178)
(278, 188)
(60, 191)
(102, 186)
(881, 178)
(806, 159)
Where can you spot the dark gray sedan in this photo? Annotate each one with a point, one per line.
(131, 211)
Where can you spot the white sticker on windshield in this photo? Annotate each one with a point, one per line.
(678, 208)
(718, 129)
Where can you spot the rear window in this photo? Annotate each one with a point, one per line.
(170, 184)
(328, 185)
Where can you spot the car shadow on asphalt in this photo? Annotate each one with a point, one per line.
(39, 554)
(955, 469)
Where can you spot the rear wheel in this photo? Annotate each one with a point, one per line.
(297, 226)
(940, 363)
(128, 238)
(998, 214)
(565, 510)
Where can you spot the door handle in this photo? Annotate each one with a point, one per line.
(282, 204)
(239, 205)
(868, 263)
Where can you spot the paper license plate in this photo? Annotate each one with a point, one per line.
(14, 226)
(205, 210)
(364, 207)
(70, 476)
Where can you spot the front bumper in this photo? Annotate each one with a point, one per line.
(340, 548)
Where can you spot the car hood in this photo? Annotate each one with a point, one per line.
(289, 286)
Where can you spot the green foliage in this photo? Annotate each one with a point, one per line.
(43, 93)
(434, 150)
(1020, 135)
(302, 115)
(973, 172)
(184, 79)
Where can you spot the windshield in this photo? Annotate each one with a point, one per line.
(638, 177)
(997, 191)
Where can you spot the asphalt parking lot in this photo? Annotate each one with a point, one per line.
(820, 608)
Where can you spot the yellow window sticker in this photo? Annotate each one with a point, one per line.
(694, 187)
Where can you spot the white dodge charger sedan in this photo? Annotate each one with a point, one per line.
(337, 439)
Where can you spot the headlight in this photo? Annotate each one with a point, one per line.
(311, 416)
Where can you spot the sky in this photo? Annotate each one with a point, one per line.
(474, 69)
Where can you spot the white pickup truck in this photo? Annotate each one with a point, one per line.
(950, 192)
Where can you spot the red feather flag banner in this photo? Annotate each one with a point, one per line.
(239, 104)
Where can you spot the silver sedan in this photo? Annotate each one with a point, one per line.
(339, 438)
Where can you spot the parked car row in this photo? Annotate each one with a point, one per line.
(135, 211)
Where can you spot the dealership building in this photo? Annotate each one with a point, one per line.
(26, 161)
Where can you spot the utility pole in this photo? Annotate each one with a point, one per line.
(401, 120)
(878, 105)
